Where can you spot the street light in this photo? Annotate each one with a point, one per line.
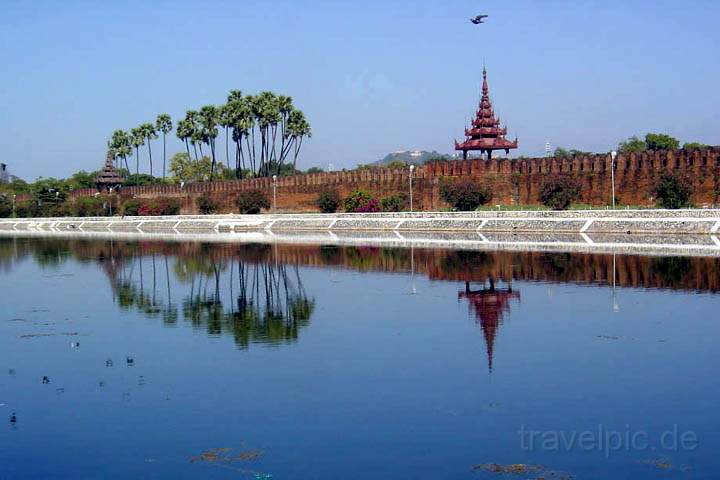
(274, 192)
(412, 168)
(613, 156)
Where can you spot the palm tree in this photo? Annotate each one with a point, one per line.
(224, 119)
(228, 118)
(137, 140)
(184, 133)
(209, 131)
(298, 128)
(121, 145)
(149, 133)
(194, 130)
(164, 124)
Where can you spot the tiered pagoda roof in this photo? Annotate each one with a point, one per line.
(108, 178)
(485, 134)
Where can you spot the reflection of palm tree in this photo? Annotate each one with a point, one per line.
(270, 307)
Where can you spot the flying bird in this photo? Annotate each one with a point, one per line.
(479, 19)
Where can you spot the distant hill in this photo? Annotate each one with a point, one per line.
(417, 157)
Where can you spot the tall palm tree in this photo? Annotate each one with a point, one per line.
(121, 145)
(224, 119)
(208, 124)
(298, 128)
(183, 133)
(137, 140)
(228, 118)
(164, 124)
(195, 130)
(150, 134)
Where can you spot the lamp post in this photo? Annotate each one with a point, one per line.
(412, 168)
(14, 212)
(274, 192)
(613, 156)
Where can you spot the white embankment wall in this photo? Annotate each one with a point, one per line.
(661, 232)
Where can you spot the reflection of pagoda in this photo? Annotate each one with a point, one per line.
(486, 134)
(489, 306)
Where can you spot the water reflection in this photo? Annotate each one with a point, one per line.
(248, 295)
(489, 305)
(255, 293)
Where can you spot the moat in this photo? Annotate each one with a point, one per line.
(150, 359)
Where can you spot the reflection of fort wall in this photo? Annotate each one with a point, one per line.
(683, 273)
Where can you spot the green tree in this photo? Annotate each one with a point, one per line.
(81, 179)
(163, 123)
(661, 141)
(632, 145)
(312, 170)
(185, 169)
(562, 153)
(672, 191)
(693, 145)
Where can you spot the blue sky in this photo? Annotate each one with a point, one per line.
(372, 76)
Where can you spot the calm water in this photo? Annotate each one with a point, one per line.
(188, 360)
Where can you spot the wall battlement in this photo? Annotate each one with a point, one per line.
(512, 181)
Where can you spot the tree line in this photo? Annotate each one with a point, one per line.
(266, 131)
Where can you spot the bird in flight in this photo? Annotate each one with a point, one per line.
(479, 19)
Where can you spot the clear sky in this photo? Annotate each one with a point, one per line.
(372, 76)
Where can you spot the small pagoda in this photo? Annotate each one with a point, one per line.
(108, 179)
(486, 134)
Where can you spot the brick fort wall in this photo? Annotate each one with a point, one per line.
(512, 182)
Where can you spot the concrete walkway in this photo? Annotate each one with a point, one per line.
(650, 232)
(655, 222)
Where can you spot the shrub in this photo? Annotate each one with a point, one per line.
(373, 206)
(394, 203)
(328, 201)
(151, 207)
(672, 191)
(6, 208)
(465, 195)
(206, 205)
(361, 201)
(90, 207)
(26, 209)
(131, 207)
(251, 202)
(558, 192)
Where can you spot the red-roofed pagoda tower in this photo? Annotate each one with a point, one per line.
(486, 134)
